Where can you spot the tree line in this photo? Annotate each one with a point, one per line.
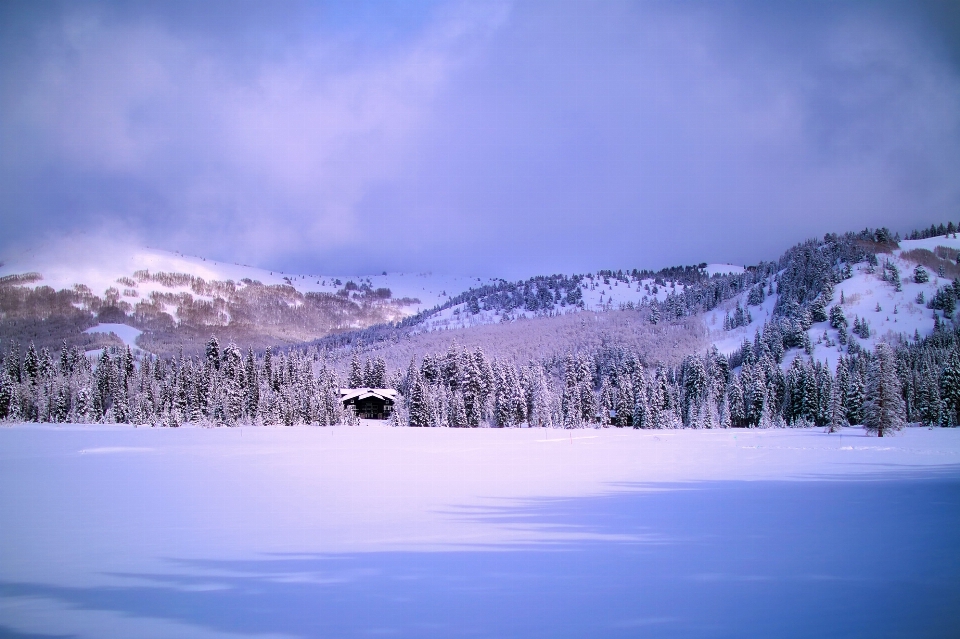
(882, 389)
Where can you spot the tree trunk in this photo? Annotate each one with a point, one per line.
(880, 432)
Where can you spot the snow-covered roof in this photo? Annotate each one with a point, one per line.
(364, 393)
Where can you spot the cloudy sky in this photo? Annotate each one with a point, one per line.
(494, 138)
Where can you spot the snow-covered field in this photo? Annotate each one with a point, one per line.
(127, 334)
(114, 531)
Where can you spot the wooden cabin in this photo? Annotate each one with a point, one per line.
(369, 403)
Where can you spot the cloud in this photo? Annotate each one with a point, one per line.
(479, 137)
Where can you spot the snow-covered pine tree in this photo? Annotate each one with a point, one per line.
(641, 411)
(571, 399)
(930, 407)
(855, 397)
(368, 374)
(378, 373)
(659, 405)
(838, 411)
(625, 402)
(252, 390)
(355, 380)
(950, 386)
(694, 388)
(232, 384)
(735, 402)
(418, 408)
(213, 352)
(883, 409)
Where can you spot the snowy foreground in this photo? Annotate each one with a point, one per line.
(112, 531)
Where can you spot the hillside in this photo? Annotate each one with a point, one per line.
(162, 301)
(890, 306)
(176, 300)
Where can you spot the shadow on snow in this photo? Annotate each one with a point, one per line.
(834, 558)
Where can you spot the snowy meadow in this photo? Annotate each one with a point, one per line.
(117, 531)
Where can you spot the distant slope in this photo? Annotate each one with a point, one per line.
(551, 295)
(177, 300)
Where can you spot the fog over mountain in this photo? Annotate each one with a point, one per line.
(496, 138)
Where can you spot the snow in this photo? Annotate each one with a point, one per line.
(127, 334)
(930, 243)
(115, 531)
(723, 269)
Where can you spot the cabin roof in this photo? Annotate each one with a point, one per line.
(364, 393)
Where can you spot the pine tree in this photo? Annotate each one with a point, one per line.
(253, 386)
(378, 374)
(641, 411)
(418, 404)
(31, 364)
(855, 398)
(625, 403)
(356, 372)
(213, 353)
(838, 411)
(883, 408)
(735, 402)
(931, 407)
(456, 410)
(694, 388)
(950, 386)
(368, 374)
(572, 396)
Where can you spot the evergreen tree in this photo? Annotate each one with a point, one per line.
(855, 397)
(253, 386)
(378, 374)
(418, 404)
(735, 402)
(838, 411)
(883, 408)
(356, 372)
(213, 353)
(950, 386)
(641, 411)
